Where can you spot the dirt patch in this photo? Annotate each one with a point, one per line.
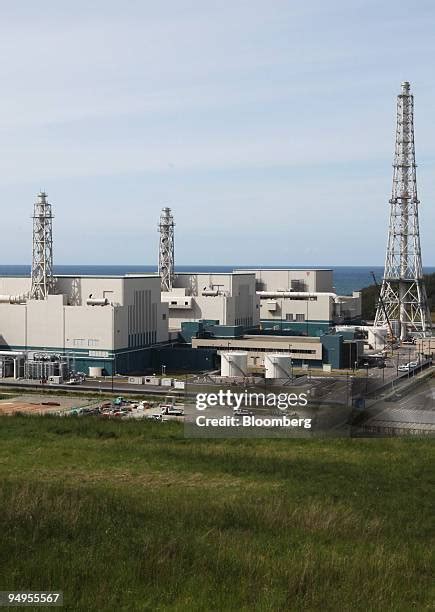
(40, 404)
(10, 408)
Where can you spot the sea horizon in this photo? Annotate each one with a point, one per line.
(346, 278)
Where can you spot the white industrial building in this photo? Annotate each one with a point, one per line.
(301, 349)
(229, 298)
(302, 300)
(102, 322)
(105, 321)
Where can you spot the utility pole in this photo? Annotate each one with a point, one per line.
(403, 297)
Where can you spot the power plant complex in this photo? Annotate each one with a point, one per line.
(255, 321)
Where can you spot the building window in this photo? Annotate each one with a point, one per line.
(298, 285)
(302, 298)
(164, 316)
(289, 316)
(300, 317)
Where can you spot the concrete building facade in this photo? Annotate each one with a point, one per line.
(308, 351)
(300, 349)
(106, 321)
(303, 300)
(293, 279)
(229, 298)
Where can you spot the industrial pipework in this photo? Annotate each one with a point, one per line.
(302, 294)
(14, 299)
(97, 301)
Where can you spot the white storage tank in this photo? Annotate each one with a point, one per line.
(277, 365)
(95, 371)
(377, 337)
(234, 363)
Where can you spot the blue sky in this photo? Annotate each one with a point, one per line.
(268, 127)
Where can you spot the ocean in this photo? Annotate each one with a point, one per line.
(346, 278)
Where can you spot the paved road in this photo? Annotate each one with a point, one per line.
(91, 387)
(407, 411)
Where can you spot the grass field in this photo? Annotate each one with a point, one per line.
(132, 516)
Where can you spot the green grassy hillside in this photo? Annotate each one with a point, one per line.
(132, 516)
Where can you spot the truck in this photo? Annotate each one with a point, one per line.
(173, 409)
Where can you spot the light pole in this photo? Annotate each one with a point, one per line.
(409, 361)
(330, 360)
(163, 369)
(307, 327)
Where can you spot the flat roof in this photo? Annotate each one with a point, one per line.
(232, 273)
(155, 275)
(106, 275)
(286, 269)
(288, 340)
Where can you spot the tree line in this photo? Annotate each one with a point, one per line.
(370, 297)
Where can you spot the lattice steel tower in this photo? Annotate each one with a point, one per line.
(403, 292)
(166, 249)
(42, 257)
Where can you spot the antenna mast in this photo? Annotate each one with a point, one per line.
(403, 299)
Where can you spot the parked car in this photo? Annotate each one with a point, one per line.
(120, 401)
(242, 412)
